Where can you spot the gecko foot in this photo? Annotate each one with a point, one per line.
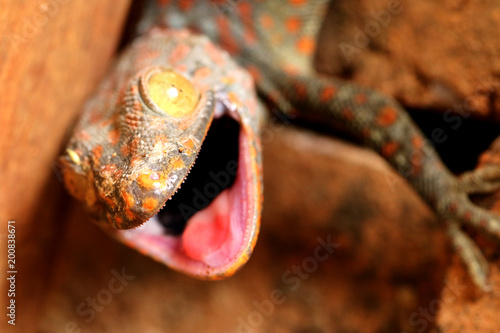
(459, 210)
(481, 181)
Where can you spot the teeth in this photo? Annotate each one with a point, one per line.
(178, 188)
(219, 109)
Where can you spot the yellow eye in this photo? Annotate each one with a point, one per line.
(173, 93)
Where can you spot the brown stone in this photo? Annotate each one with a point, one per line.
(52, 55)
(390, 272)
(427, 54)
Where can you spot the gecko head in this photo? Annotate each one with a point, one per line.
(181, 180)
(163, 122)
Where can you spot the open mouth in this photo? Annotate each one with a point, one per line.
(208, 228)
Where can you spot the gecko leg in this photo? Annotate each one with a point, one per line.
(382, 124)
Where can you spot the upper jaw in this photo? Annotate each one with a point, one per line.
(237, 210)
(159, 152)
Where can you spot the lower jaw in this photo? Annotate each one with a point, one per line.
(218, 239)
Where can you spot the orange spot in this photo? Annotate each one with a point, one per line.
(328, 93)
(114, 136)
(130, 215)
(185, 5)
(108, 169)
(360, 98)
(97, 153)
(181, 68)
(227, 80)
(300, 89)
(202, 72)
(267, 21)
(95, 117)
(225, 34)
(245, 9)
(389, 149)
(234, 99)
(148, 180)
(108, 201)
(416, 162)
(347, 113)
(189, 144)
(179, 53)
(387, 116)
(306, 45)
(118, 221)
(128, 199)
(214, 54)
(83, 136)
(133, 89)
(178, 163)
(417, 142)
(293, 24)
(297, 2)
(129, 148)
(150, 203)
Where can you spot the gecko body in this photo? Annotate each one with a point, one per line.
(134, 146)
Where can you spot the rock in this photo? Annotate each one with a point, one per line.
(428, 55)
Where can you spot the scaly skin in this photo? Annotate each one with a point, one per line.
(274, 41)
(128, 155)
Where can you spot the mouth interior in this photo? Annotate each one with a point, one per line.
(214, 171)
(208, 226)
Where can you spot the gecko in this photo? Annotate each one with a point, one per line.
(166, 156)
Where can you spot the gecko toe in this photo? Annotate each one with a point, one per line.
(471, 256)
(481, 181)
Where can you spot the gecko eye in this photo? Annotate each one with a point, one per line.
(169, 92)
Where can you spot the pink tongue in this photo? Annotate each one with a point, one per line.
(208, 237)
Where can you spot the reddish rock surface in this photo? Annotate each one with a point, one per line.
(52, 55)
(392, 271)
(428, 54)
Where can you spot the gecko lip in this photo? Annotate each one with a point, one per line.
(209, 227)
(214, 171)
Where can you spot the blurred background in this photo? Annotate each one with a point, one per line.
(392, 269)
